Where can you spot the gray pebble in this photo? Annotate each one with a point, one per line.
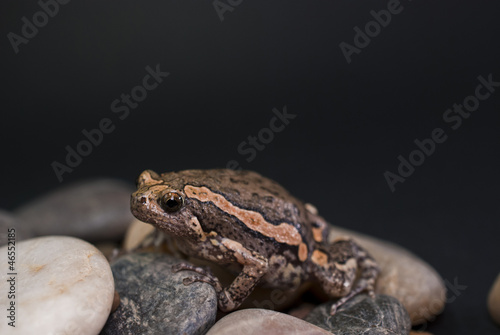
(154, 300)
(363, 315)
(95, 210)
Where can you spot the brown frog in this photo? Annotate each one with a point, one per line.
(240, 217)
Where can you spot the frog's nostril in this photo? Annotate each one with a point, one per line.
(142, 200)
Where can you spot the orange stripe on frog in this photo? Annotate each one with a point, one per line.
(283, 233)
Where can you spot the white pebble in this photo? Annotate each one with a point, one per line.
(63, 285)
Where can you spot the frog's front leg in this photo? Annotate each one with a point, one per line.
(223, 251)
(336, 270)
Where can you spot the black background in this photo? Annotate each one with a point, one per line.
(352, 120)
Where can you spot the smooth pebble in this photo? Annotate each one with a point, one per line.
(137, 233)
(263, 322)
(93, 210)
(63, 285)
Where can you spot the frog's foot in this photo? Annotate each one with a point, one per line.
(202, 274)
(363, 285)
(339, 279)
(229, 298)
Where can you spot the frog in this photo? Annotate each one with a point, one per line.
(252, 224)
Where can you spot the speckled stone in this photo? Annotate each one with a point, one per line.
(63, 285)
(7, 222)
(95, 210)
(494, 301)
(383, 315)
(263, 322)
(154, 300)
(404, 276)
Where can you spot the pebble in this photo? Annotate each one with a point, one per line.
(143, 237)
(383, 315)
(494, 301)
(136, 234)
(404, 276)
(63, 285)
(263, 322)
(9, 222)
(154, 300)
(95, 210)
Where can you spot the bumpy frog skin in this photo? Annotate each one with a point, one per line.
(240, 217)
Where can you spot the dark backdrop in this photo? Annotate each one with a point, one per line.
(352, 120)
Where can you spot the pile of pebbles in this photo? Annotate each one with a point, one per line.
(65, 283)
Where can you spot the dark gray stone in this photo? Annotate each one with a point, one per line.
(153, 299)
(7, 222)
(95, 210)
(363, 315)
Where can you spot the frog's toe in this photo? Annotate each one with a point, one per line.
(197, 278)
(182, 266)
(189, 280)
(201, 275)
(204, 279)
(190, 267)
(371, 292)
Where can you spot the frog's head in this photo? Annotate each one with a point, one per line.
(161, 203)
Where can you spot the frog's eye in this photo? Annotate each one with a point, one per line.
(171, 202)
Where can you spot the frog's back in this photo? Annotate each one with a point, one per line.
(250, 194)
(245, 189)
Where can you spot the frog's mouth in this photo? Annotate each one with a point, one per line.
(144, 205)
(144, 209)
